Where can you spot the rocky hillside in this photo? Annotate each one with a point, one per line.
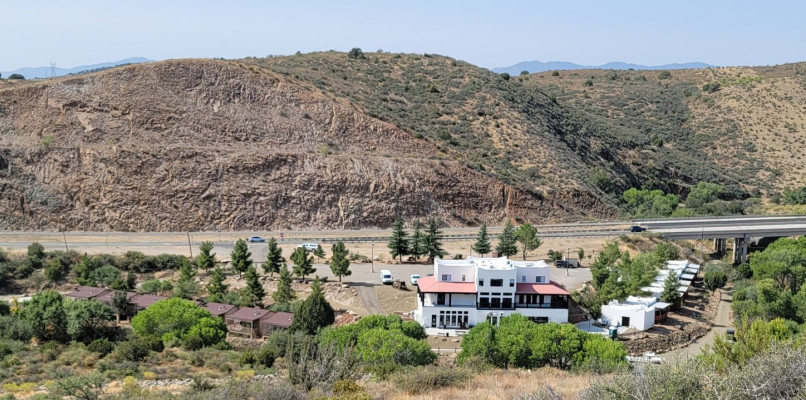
(751, 122)
(205, 145)
(326, 140)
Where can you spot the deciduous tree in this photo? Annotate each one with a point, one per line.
(87, 319)
(527, 237)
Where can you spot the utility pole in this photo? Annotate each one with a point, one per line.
(372, 258)
(567, 265)
(190, 248)
(702, 233)
(65, 241)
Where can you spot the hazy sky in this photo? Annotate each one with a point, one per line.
(488, 33)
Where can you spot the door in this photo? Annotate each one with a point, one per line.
(433, 321)
(625, 321)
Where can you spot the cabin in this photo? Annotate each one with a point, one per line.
(246, 322)
(276, 321)
(142, 301)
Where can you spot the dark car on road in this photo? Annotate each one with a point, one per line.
(256, 239)
(561, 264)
(636, 228)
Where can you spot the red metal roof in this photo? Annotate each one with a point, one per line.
(552, 288)
(145, 300)
(429, 284)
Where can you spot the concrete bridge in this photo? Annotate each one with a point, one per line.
(742, 229)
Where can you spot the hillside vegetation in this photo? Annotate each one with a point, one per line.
(350, 140)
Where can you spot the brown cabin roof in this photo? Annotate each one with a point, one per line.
(282, 319)
(145, 300)
(87, 292)
(248, 314)
(218, 309)
(108, 296)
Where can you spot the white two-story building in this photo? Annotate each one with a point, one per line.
(463, 293)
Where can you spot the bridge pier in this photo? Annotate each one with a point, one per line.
(740, 249)
(720, 245)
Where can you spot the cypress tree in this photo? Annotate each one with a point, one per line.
(399, 243)
(303, 265)
(241, 257)
(314, 313)
(284, 292)
(482, 245)
(507, 245)
(273, 258)
(339, 263)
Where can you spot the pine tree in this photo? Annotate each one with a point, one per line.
(399, 243)
(241, 257)
(433, 245)
(186, 271)
(670, 294)
(527, 237)
(314, 313)
(284, 292)
(319, 253)
(273, 258)
(482, 245)
(131, 281)
(216, 288)
(303, 265)
(507, 245)
(254, 285)
(206, 258)
(339, 263)
(417, 245)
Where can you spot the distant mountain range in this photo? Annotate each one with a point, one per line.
(538, 66)
(45, 72)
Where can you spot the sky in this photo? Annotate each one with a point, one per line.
(486, 33)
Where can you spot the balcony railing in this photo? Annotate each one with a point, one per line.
(553, 304)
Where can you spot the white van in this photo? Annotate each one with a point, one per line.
(309, 246)
(386, 277)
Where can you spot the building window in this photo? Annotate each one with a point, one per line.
(540, 279)
(512, 282)
(495, 302)
(507, 302)
(463, 278)
(446, 278)
(523, 278)
(496, 282)
(484, 302)
(440, 299)
(481, 282)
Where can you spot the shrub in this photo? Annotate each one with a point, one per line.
(505, 76)
(138, 349)
(424, 379)
(664, 75)
(192, 342)
(209, 330)
(16, 76)
(15, 329)
(355, 53)
(102, 346)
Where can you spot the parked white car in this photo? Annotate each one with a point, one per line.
(414, 279)
(309, 246)
(386, 277)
